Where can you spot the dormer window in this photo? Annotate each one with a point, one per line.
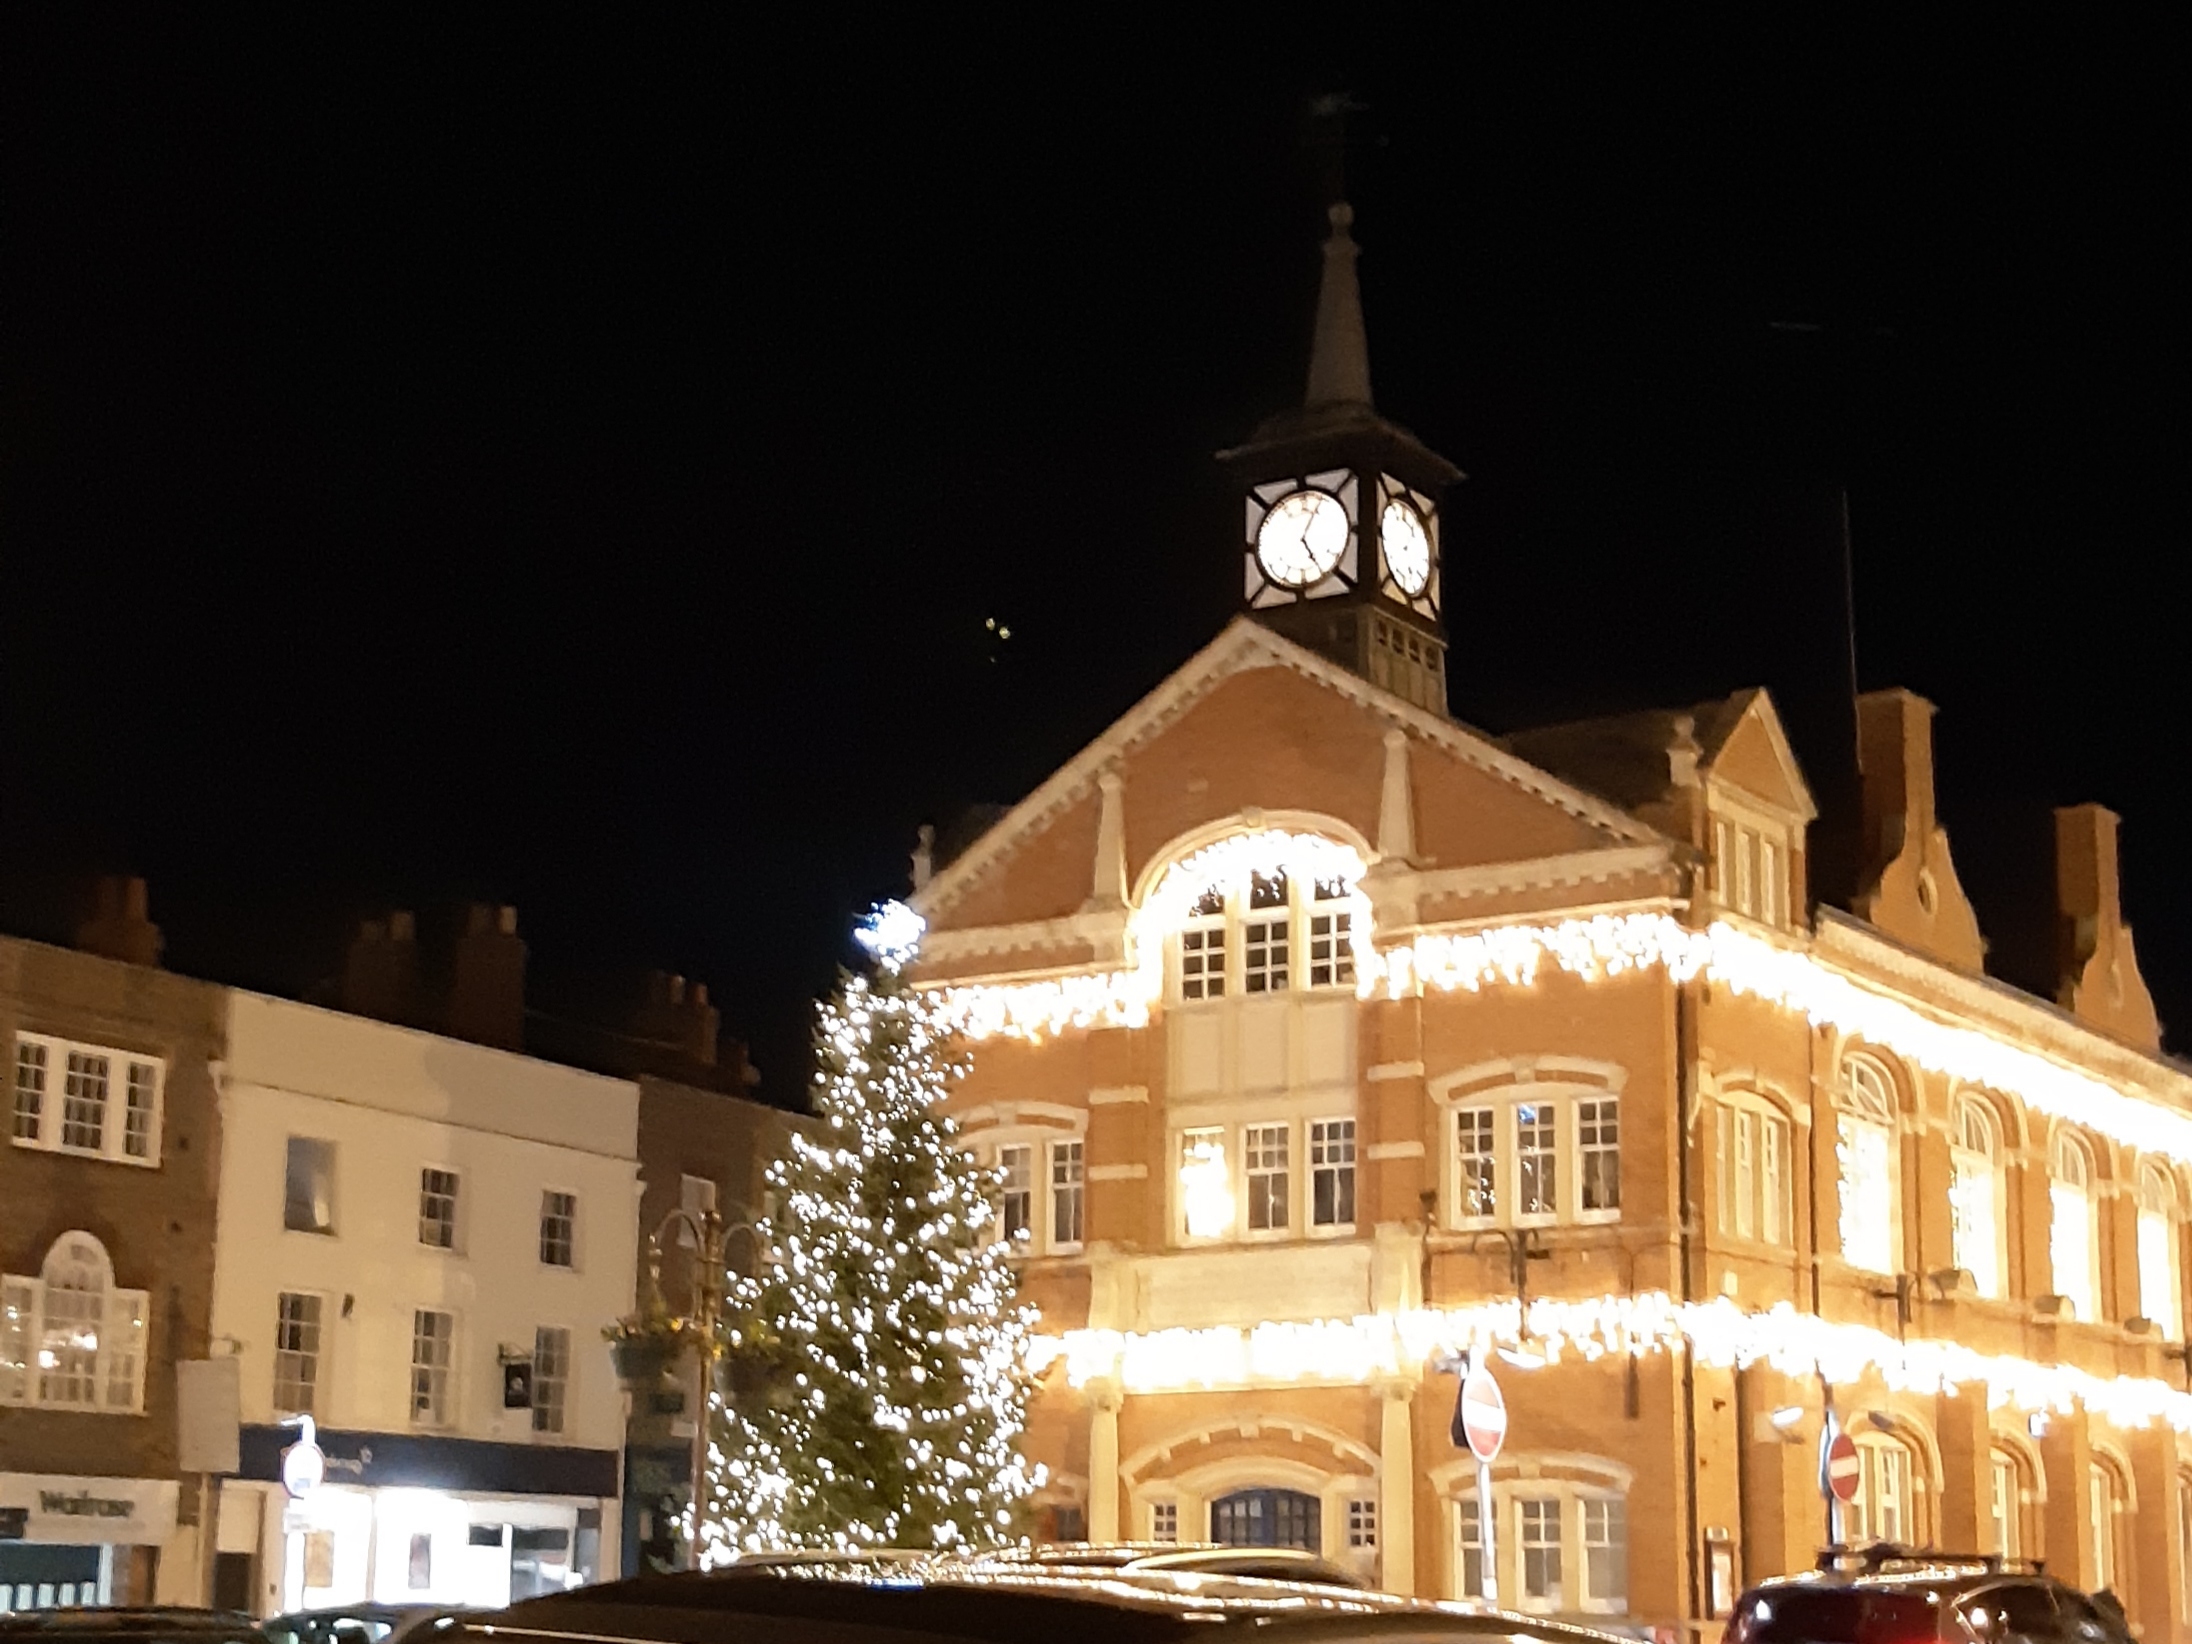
(1750, 870)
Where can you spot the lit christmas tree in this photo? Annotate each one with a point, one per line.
(881, 1349)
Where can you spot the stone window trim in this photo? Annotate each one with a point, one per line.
(1867, 1097)
(1557, 1085)
(1753, 855)
(1347, 1472)
(96, 1330)
(1250, 941)
(1589, 1585)
(88, 1101)
(1042, 1128)
(1979, 1199)
(1767, 1127)
(1309, 1146)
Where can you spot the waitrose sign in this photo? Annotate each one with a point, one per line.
(125, 1511)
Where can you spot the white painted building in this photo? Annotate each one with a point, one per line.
(420, 1242)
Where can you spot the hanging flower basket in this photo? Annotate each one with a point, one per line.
(642, 1349)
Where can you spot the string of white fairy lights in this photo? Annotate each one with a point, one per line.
(1718, 1333)
(1594, 949)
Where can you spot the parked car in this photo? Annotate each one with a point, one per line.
(1886, 1595)
(143, 1624)
(353, 1623)
(1205, 1558)
(967, 1601)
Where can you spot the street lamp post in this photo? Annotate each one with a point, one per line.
(704, 1291)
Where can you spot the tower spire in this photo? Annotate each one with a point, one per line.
(1339, 350)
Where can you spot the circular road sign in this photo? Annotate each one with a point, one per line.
(1483, 1414)
(1842, 1467)
(304, 1465)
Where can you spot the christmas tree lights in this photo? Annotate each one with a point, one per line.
(880, 1350)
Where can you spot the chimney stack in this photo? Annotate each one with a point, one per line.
(487, 987)
(676, 1014)
(1907, 885)
(2097, 973)
(380, 976)
(121, 926)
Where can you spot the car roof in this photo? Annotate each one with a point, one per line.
(970, 1604)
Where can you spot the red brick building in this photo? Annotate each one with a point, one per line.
(1311, 1025)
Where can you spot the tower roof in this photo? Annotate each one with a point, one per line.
(1339, 350)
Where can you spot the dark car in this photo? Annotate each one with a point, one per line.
(966, 1602)
(353, 1623)
(145, 1624)
(1889, 1596)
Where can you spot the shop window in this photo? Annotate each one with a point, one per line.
(297, 1317)
(2073, 1238)
(438, 1208)
(1532, 1159)
(2159, 1286)
(1866, 1166)
(558, 1228)
(551, 1377)
(1977, 1198)
(433, 1351)
(69, 1338)
(89, 1100)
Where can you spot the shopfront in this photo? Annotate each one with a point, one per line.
(407, 1519)
(67, 1542)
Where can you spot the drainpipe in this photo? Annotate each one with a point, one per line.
(1686, 1081)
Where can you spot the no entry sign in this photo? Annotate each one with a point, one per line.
(1839, 1474)
(1481, 1416)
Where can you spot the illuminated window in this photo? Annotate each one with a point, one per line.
(1016, 1198)
(69, 1339)
(1202, 948)
(308, 1185)
(433, 1344)
(1537, 1159)
(1536, 1155)
(1332, 1173)
(1265, 944)
(558, 1228)
(1264, 1153)
(1870, 1222)
(1598, 1153)
(551, 1378)
(1977, 1197)
(1331, 938)
(1751, 1168)
(1746, 1174)
(2160, 1289)
(296, 1353)
(2073, 1242)
(1206, 1184)
(87, 1100)
(1066, 1171)
(1248, 938)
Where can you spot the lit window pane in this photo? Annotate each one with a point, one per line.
(1537, 1159)
(1479, 1164)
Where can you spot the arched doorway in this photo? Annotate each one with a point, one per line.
(1268, 1518)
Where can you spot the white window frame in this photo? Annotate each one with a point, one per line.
(553, 1368)
(1016, 1160)
(1978, 1197)
(1231, 1135)
(696, 1196)
(1757, 1206)
(2005, 1505)
(1751, 857)
(1164, 1520)
(2161, 1274)
(2074, 1225)
(1886, 1469)
(1868, 1150)
(570, 1233)
(455, 1195)
(314, 1384)
(1065, 1164)
(1506, 1102)
(1307, 907)
(117, 1371)
(1572, 1500)
(445, 1417)
(1338, 1155)
(1268, 1153)
(989, 1143)
(1362, 1524)
(45, 1130)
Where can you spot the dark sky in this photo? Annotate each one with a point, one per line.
(569, 458)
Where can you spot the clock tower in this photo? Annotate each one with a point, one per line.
(1341, 541)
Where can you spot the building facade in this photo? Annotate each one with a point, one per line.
(106, 1188)
(1326, 1044)
(420, 1242)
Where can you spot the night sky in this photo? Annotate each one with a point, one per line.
(571, 458)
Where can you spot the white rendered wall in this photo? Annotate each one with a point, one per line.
(393, 1100)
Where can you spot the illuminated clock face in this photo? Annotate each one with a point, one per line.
(1407, 547)
(1302, 538)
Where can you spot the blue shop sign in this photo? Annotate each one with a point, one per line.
(426, 1462)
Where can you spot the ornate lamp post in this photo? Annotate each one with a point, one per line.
(645, 1344)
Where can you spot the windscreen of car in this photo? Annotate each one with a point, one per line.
(1834, 1615)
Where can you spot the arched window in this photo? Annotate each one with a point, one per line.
(1976, 1197)
(2160, 1290)
(1885, 1508)
(1268, 1518)
(1752, 1169)
(2109, 1499)
(69, 1339)
(2010, 1502)
(2184, 1545)
(1272, 932)
(1865, 1151)
(2074, 1246)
